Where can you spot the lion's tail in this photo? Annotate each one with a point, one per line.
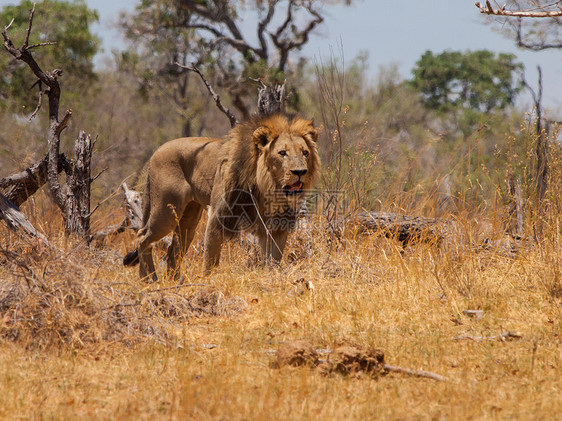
(131, 258)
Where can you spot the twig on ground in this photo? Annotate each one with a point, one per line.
(415, 373)
(176, 287)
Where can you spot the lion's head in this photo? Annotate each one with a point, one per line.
(288, 161)
(274, 159)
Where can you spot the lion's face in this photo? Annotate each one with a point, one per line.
(288, 161)
(288, 164)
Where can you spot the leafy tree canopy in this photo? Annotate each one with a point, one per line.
(67, 24)
(475, 80)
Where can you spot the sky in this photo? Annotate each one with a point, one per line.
(391, 32)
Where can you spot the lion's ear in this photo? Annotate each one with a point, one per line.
(262, 136)
(312, 135)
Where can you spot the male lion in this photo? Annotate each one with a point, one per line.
(253, 178)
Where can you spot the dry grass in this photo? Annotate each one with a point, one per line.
(82, 337)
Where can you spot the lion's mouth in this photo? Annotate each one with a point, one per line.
(293, 189)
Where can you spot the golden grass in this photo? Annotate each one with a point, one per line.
(370, 292)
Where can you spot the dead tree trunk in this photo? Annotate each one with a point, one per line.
(73, 199)
(271, 99)
(77, 204)
(24, 184)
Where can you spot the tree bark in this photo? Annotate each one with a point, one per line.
(25, 183)
(271, 99)
(77, 204)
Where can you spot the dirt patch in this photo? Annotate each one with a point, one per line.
(213, 302)
(346, 360)
(297, 353)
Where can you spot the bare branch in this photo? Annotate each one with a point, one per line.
(539, 12)
(62, 125)
(29, 25)
(508, 335)
(535, 46)
(219, 16)
(41, 44)
(39, 102)
(216, 97)
(94, 178)
(271, 99)
(299, 38)
(263, 24)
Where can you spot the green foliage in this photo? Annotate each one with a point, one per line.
(475, 80)
(62, 22)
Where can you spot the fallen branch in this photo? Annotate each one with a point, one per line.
(24, 184)
(346, 360)
(529, 13)
(504, 336)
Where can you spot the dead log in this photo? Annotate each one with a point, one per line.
(24, 184)
(133, 215)
(404, 228)
(16, 220)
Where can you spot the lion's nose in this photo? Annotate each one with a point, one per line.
(300, 173)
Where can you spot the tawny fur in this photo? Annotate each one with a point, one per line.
(261, 167)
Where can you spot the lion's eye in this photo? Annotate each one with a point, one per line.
(306, 153)
(283, 153)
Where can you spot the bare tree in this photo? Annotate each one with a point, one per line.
(537, 25)
(217, 37)
(73, 198)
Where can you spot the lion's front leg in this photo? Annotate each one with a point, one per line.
(214, 237)
(272, 243)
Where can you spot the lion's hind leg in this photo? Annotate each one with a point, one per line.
(163, 216)
(183, 236)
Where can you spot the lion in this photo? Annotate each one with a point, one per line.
(254, 178)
